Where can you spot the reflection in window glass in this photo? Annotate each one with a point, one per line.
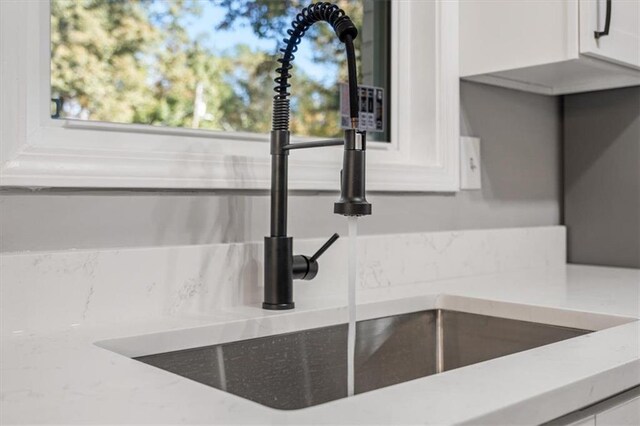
(206, 64)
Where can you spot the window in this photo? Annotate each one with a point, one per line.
(205, 64)
(37, 150)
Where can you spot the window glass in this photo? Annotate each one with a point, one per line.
(206, 64)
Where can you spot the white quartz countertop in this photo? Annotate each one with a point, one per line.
(64, 377)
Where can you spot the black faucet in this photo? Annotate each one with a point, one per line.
(281, 267)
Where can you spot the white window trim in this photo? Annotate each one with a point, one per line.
(37, 151)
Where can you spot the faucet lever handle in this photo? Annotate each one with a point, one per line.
(324, 247)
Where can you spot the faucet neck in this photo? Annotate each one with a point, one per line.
(279, 182)
(346, 32)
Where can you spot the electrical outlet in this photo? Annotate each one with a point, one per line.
(470, 166)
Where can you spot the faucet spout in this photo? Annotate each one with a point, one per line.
(281, 267)
(353, 201)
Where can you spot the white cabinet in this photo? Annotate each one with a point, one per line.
(620, 410)
(550, 46)
(626, 414)
(622, 43)
(589, 421)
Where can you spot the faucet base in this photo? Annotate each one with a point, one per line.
(278, 273)
(278, 306)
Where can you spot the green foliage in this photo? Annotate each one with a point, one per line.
(94, 46)
(272, 18)
(132, 61)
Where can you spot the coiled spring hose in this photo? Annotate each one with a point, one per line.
(346, 32)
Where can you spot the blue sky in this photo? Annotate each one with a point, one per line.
(241, 33)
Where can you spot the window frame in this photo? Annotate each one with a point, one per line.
(38, 151)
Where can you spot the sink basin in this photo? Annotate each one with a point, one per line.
(306, 368)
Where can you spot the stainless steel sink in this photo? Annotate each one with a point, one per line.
(297, 370)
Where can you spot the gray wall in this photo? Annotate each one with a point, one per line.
(521, 135)
(602, 177)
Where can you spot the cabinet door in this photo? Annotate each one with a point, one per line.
(622, 43)
(627, 414)
(590, 421)
(501, 35)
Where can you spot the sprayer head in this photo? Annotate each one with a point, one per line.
(353, 201)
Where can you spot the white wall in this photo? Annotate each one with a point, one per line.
(521, 140)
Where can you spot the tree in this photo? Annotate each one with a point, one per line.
(96, 48)
(315, 107)
(271, 19)
(133, 61)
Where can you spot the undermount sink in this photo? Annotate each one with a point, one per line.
(306, 368)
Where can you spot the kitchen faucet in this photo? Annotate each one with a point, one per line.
(281, 267)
